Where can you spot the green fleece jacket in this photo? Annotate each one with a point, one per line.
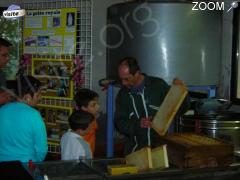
(131, 107)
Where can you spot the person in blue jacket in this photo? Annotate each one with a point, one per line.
(22, 130)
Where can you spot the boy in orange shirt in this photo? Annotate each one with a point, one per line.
(87, 100)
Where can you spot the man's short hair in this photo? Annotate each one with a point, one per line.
(84, 96)
(4, 42)
(28, 85)
(80, 120)
(132, 63)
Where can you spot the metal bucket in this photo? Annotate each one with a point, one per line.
(224, 126)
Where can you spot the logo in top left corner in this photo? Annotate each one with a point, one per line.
(14, 12)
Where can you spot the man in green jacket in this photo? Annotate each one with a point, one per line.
(137, 102)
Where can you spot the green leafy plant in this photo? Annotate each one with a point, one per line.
(11, 31)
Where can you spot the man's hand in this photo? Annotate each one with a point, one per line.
(5, 97)
(177, 81)
(146, 122)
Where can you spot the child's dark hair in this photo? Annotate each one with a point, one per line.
(4, 42)
(84, 96)
(80, 120)
(28, 85)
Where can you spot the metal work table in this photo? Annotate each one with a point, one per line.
(67, 170)
(97, 169)
(220, 173)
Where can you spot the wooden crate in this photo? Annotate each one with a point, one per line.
(147, 159)
(141, 159)
(192, 150)
(160, 157)
(122, 169)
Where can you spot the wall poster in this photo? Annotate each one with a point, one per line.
(50, 31)
(55, 75)
(49, 35)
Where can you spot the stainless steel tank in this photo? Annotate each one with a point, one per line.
(225, 126)
(168, 39)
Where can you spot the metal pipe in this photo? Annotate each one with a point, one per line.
(110, 121)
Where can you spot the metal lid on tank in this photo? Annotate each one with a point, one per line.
(217, 115)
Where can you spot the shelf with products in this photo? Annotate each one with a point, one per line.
(55, 75)
(53, 147)
(56, 121)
